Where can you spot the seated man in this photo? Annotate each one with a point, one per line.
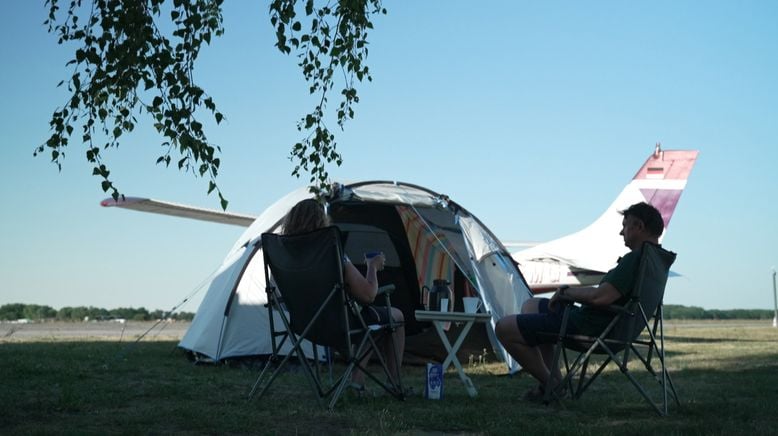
(519, 333)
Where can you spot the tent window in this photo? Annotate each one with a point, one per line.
(359, 239)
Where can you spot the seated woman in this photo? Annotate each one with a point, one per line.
(308, 215)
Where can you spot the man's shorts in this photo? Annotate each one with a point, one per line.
(542, 327)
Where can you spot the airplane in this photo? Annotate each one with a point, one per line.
(583, 257)
(578, 259)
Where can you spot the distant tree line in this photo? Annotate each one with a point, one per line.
(34, 312)
(672, 311)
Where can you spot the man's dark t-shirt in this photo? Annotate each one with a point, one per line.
(590, 321)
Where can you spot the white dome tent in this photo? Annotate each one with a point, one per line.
(424, 236)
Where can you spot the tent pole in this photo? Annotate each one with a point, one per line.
(440, 242)
(775, 301)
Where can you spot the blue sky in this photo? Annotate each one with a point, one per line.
(532, 115)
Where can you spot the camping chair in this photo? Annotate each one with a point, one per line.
(308, 293)
(621, 338)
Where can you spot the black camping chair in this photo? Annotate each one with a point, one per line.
(308, 293)
(622, 338)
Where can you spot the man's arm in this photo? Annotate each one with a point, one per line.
(602, 295)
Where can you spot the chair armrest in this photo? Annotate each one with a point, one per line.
(567, 301)
(385, 291)
(620, 309)
(612, 309)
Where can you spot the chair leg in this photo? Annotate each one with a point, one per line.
(365, 346)
(338, 388)
(666, 374)
(662, 376)
(573, 370)
(645, 395)
(297, 351)
(664, 380)
(395, 386)
(398, 384)
(558, 346)
(273, 376)
(553, 392)
(260, 377)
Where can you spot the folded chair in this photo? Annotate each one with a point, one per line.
(622, 338)
(306, 290)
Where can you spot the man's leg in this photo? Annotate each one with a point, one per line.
(531, 358)
(546, 350)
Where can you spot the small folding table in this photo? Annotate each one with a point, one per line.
(438, 319)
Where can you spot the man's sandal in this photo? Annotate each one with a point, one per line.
(535, 395)
(538, 395)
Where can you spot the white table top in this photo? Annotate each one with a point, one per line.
(429, 315)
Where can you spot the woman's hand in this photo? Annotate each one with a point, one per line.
(376, 262)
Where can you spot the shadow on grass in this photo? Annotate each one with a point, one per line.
(699, 340)
(62, 386)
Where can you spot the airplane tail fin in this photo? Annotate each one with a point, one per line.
(659, 182)
(662, 179)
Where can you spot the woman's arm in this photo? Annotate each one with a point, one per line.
(364, 288)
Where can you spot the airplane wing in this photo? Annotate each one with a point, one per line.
(515, 245)
(179, 210)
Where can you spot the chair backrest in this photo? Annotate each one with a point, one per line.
(307, 269)
(648, 292)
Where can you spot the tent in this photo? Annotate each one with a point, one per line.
(424, 236)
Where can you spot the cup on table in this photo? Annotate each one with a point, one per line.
(444, 304)
(471, 304)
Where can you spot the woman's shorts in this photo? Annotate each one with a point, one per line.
(376, 314)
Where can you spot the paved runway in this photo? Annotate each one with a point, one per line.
(103, 330)
(174, 331)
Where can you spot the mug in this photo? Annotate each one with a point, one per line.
(471, 304)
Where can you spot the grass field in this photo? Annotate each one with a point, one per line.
(726, 374)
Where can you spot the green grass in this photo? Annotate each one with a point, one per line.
(726, 374)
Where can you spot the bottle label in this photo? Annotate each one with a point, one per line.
(433, 389)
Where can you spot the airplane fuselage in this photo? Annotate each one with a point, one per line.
(583, 257)
(548, 274)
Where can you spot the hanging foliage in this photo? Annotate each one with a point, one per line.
(125, 67)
